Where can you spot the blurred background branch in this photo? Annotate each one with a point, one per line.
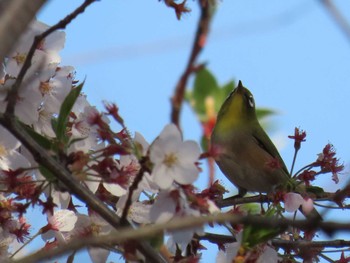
(337, 16)
(11, 29)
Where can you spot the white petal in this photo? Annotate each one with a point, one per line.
(231, 250)
(189, 151)
(182, 237)
(186, 173)
(170, 132)
(148, 184)
(140, 140)
(292, 201)
(16, 160)
(157, 152)
(48, 235)
(92, 184)
(163, 209)
(308, 206)
(7, 140)
(162, 176)
(62, 199)
(140, 213)
(269, 255)
(98, 255)
(65, 220)
(114, 189)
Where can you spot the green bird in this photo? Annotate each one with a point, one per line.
(244, 152)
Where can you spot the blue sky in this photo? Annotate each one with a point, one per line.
(290, 54)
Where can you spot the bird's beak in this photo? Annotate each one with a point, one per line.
(240, 87)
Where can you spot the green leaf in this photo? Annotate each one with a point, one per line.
(205, 85)
(40, 139)
(318, 191)
(71, 142)
(157, 241)
(65, 110)
(253, 235)
(47, 173)
(263, 112)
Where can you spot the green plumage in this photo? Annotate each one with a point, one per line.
(247, 155)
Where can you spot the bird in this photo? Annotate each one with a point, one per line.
(244, 152)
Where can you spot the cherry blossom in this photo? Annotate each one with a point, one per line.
(231, 250)
(173, 159)
(269, 254)
(92, 225)
(10, 158)
(171, 204)
(55, 89)
(45, 54)
(81, 129)
(61, 222)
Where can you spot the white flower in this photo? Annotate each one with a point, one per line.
(92, 225)
(81, 129)
(173, 159)
(172, 204)
(128, 167)
(98, 255)
(62, 221)
(43, 125)
(269, 255)
(10, 158)
(183, 237)
(57, 88)
(163, 209)
(46, 52)
(231, 250)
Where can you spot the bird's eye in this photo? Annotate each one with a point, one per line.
(251, 101)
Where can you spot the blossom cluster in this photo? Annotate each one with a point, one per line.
(104, 161)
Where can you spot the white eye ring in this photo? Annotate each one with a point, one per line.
(251, 101)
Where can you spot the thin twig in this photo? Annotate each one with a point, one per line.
(231, 201)
(132, 189)
(285, 244)
(184, 223)
(12, 96)
(294, 159)
(198, 45)
(308, 244)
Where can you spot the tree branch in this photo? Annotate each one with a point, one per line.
(198, 45)
(190, 222)
(23, 11)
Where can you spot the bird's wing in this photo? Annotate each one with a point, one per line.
(264, 142)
